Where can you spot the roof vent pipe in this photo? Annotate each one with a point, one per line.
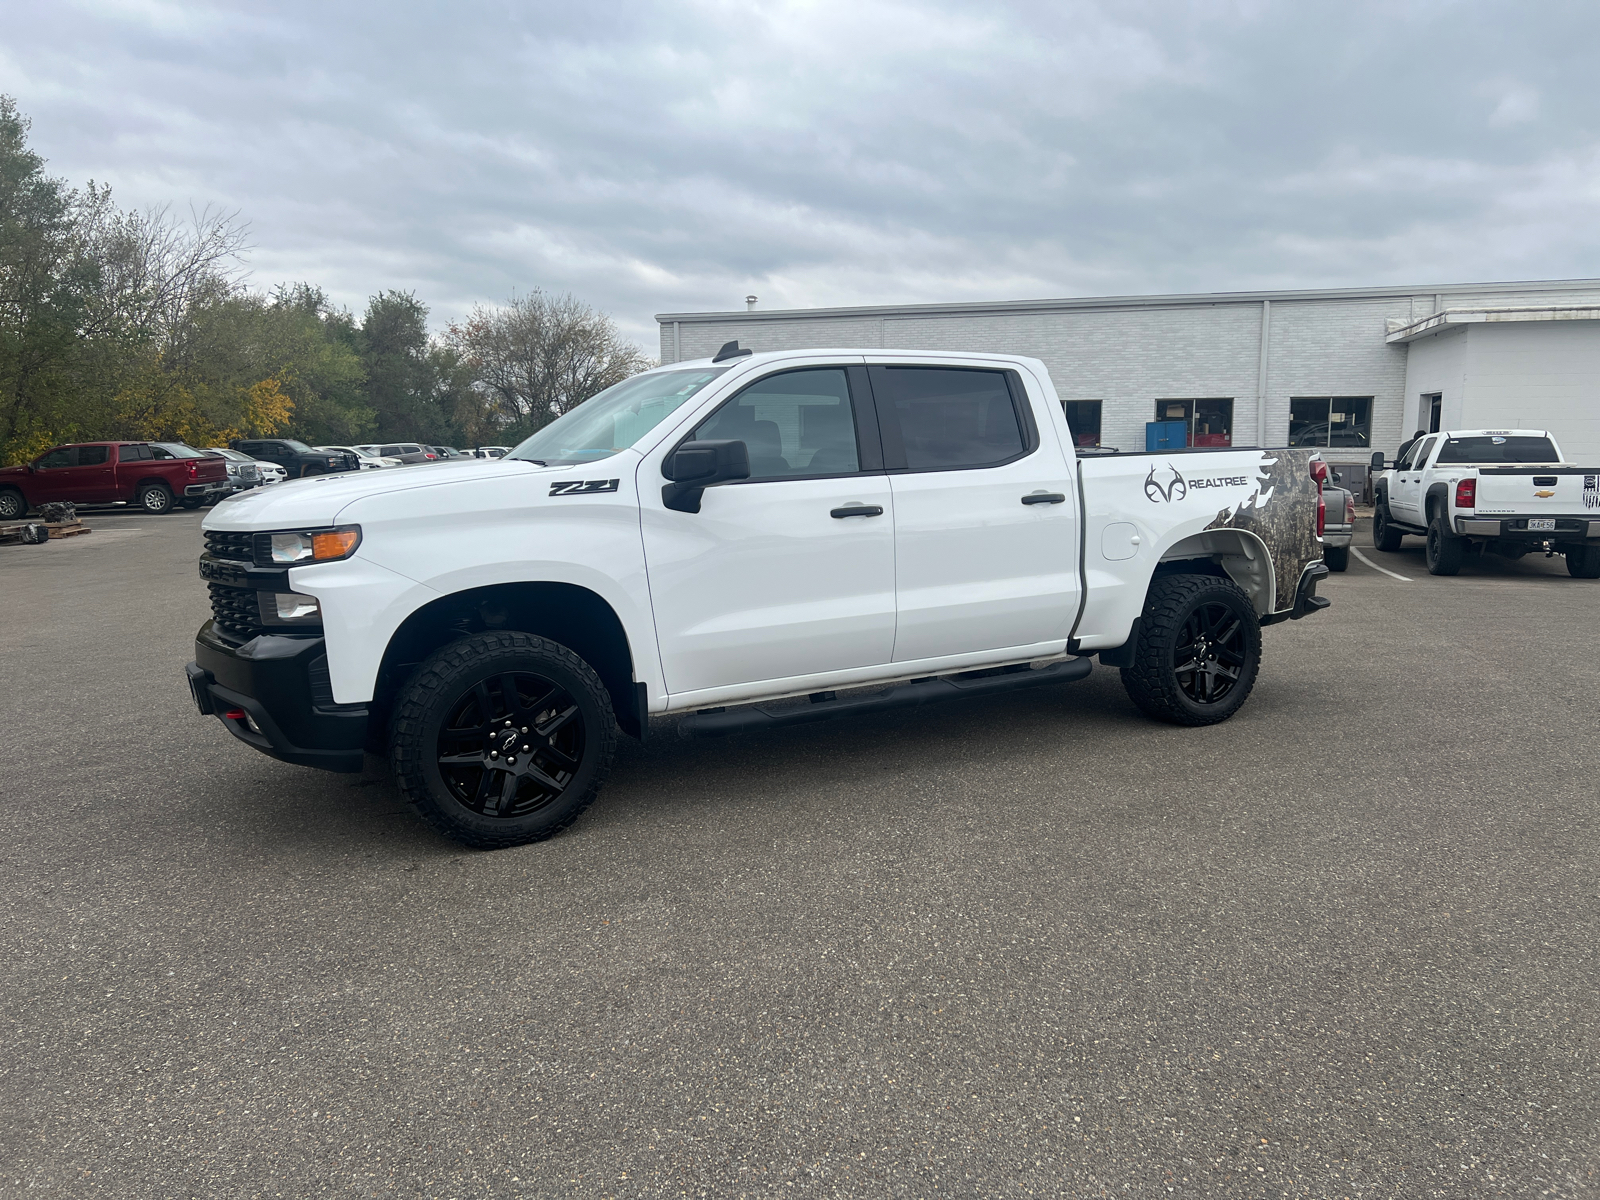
(750, 303)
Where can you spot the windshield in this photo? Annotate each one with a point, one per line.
(1495, 448)
(616, 418)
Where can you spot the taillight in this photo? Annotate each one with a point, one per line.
(194, 469)
(1467, 493)
(1322, 514)
(1349, 510)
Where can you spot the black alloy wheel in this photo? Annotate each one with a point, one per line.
(1385, 536)
(511, 745)
(1197, 651)
(1210, 653)
(502, 738)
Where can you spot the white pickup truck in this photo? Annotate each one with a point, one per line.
(1504, 491)
(750, 540)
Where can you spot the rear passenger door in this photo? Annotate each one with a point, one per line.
(986, 520)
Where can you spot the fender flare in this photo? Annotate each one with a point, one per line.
(1242, 555)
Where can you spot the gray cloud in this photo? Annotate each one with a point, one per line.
(654, 157)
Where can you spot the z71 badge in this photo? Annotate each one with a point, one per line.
(583, 487)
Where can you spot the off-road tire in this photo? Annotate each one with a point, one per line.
(1385, 536)
(1444, 552)
(1336, 558)
(155, 499)
(1583, 562)
(449, 679)
(1154, 682)
(13, 505)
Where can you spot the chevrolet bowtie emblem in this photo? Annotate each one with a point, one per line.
(1544, 495)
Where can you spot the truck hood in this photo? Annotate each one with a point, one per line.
(306, 503)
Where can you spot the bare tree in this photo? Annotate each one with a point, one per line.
(539, 356)
(154, 268)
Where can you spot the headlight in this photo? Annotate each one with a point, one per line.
(311, 545)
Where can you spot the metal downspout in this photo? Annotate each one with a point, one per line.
(1261, 373)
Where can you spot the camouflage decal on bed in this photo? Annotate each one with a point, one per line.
(1282, 512)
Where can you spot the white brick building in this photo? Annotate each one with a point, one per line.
(1355, 369)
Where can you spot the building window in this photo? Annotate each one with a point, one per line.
(1083, 418)
(1208, 422)
(1334, 421)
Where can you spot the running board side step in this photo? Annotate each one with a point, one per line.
(720, 722)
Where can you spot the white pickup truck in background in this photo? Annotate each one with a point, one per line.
(751, 540)
(1501, 491)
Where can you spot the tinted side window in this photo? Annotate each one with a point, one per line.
(946, 418)
(62, 456)
(93, 456)
(134, 453)
(391, 452)
(1420, 454)
(796, 423)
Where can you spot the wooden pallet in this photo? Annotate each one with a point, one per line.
(58, 530)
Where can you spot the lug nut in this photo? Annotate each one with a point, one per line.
(524, 730)
(494, 754)
(524, 749)
(512, 760)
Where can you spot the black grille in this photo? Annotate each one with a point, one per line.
(236, 547)
(235, 610)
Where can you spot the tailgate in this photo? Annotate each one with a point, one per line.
(1537, 491)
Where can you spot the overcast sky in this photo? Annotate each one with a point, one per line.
(676, 156)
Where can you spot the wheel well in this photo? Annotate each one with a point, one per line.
(1234, 554)
(574, 616)
(149, 480)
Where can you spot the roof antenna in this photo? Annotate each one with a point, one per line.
(730, 350)
(750, 302)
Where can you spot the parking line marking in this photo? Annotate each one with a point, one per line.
(1376, 567)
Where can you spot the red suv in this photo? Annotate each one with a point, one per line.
(155, 475)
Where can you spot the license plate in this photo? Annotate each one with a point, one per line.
(1541, 524)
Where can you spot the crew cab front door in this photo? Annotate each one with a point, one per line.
(1406, 502)
(986, 519)
(789, 573)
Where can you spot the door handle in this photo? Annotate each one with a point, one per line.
(858, 510)
(1044, 498)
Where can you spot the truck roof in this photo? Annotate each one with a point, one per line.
(763, 356)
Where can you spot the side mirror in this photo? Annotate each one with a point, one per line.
(1336, 477)
(695, 466)
(1377, 461)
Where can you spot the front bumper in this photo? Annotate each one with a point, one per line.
(1568, 529)
(273, 693)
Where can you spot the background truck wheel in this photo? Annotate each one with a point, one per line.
(1385, 536)
(12, 506)
(154, 498)
(1444, 552)
(1198, 651)
(1336, 558)
(1583, 562)
(502, 739)
(192, 502)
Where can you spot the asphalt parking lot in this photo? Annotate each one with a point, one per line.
(1344, 945)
